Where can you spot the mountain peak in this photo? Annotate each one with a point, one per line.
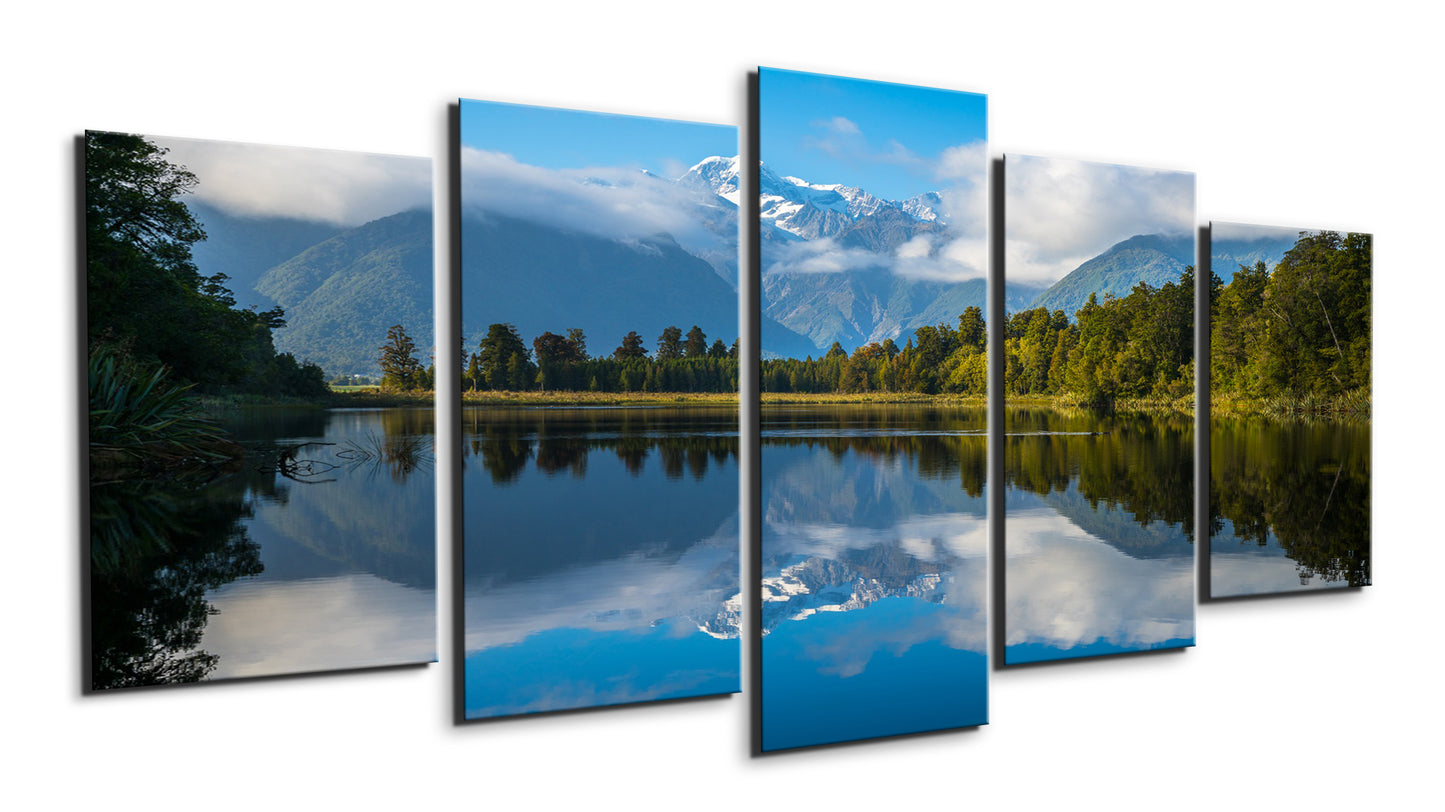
(1152, 258)
(717, 174)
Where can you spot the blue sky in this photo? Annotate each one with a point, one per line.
(885, 138)
(554, 138)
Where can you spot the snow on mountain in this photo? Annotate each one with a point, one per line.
(814, 210)
(717, 174)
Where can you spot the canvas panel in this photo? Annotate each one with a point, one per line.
(874, 546)
(1098, 409)
(600, 414)
(1289, 429)
(243, 520)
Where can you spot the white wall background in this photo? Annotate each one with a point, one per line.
(1327, 114)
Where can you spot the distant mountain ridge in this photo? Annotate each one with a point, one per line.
(343, 294)
(245, 248)
(1152, 258)
(1226, 255)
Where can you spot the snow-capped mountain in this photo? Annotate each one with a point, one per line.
(814, 210)
(716, 174)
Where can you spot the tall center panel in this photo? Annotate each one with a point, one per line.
(872, 234)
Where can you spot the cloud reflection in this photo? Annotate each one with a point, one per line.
(1067, 588)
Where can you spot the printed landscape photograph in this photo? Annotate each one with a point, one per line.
(1099, 386)
(1291, 327)
(261, 442)
(874, 264)
(600, 475)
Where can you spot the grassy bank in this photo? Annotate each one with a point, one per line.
(1355, 405)
(830, 398)
(490, 398)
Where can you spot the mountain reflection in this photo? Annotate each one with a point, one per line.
(861, 505)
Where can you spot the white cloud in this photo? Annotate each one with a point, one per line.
(967, 163)
(818, 256)
(838, 124)
(617, 203)
(1058, 211)
(1240, 232)
(346, 188)
(956, 260)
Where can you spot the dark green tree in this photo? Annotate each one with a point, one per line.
(696, 346)
(400, 368)
(631, 347)
(578, 340)
(669, 344)
(494, 357)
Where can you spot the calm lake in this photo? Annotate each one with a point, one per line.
(874, 565)
(316, 552)
(1289, 505)
(1099, 533)
(601, 559)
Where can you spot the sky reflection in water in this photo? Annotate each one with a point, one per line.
(601, 562)
(874, 575)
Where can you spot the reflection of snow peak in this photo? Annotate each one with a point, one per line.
(820, 585)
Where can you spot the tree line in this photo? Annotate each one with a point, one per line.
(556, 362)
(1138, 347)
(148, 304)
(1302, 330)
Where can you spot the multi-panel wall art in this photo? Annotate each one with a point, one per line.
(1289, 429)
(241, 524)
(600, 439)
(873, 238)
(1099, 409)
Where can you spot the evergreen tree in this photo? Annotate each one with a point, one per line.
(696, 346)
(631, 347)
(399, 367)
(494, 357)
(669, 344)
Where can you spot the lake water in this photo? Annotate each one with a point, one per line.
(1289, 504)
(1098, 533)
(874, 565)
(316, 552)
(601, 561)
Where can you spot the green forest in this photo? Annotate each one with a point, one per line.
(158, 332)
(561, 363)
(1296, 339)
(1139, 347)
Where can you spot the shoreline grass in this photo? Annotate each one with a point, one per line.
(507, 398)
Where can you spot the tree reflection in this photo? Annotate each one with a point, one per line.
(156, 550)
(1305, 482)
(683, 441)
(1139, 462)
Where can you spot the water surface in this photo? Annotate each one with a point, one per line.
(1099, 533)
(601, 558)
(874, 563)
(315, 552)
(1289, 505)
